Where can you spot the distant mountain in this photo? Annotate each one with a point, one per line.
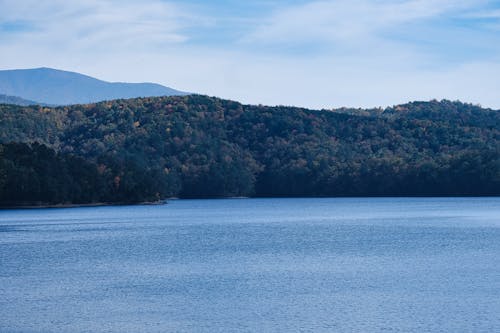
(6, 99)
(52, 86)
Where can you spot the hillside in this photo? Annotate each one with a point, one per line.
(56, 87)
(196, 146)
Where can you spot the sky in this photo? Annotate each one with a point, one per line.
(316, 54)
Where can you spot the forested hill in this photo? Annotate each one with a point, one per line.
(196, 146)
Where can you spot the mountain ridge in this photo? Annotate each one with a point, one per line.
(60, 87)
(15, 100)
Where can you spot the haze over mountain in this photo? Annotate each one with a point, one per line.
(57, 87)
(6, 99)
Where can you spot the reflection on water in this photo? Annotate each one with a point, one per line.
(254, 265)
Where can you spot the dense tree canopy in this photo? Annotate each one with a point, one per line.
(196, 146)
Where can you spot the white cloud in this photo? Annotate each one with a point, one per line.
(98, 24)
(490, 14)
(347, 21)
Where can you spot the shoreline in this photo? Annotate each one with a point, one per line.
(96, 204)
(165, 201)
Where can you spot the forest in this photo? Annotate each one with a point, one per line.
(149, 149)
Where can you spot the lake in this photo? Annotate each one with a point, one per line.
(254, 265)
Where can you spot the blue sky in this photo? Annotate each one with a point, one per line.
(319, 54)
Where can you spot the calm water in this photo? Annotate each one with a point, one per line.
(254, 265)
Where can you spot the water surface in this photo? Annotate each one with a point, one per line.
(254, 265)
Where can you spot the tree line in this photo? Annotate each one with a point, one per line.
(147, 149)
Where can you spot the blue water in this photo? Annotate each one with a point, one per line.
(254, 265)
